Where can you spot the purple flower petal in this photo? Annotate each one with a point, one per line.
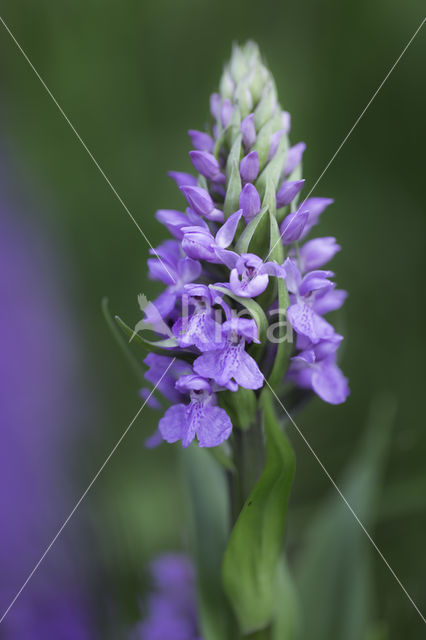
(318, 252)
(201, 140)
(214, 427)
(173, 221)
(182, 179)
(249, 167)
(315, 280)
(293, 225)
(206, 164)
(248, 374)
(215, 102)
(200, 201)
(249, 202)
(288, 192)
(293, 276)
(248, 288)
(154, 440)
(294, 157)
(275, 141)
(188, 270)
(245, 327)
(229, 258)
(314, 206)
(226, 233)
(171, 425)
(305, 321)
(226, 112)
(329, 383)
(160, 271)
(329, 300)
(199, 244)
(248, 131)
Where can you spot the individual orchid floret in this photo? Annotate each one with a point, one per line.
(201, 202)
(199, 243)
(249, 167)
(249, 275)
(316, 369)
(200, 418)
(249, 202)
(317, 252)
(301, 313)
(293, 226)
(197, 325)
(201, 141)
(314, 207)
(231, 362)
(294, 157)
(207, 165)
(248, 131)
(288, 192)
(183, 179)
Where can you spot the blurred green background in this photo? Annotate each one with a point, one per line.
(133, 77)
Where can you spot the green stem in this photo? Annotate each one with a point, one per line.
(249, 460)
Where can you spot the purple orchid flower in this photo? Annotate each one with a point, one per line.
(230, 362)
(249, 201)
(288, 192)
(316, 369)
(200, 244)
(249, 275)
(239, 164)
(317, 252)
(294, 157)
(199, 328)
(302, 314)
(201, 202)
(201, 417)
(249, 167)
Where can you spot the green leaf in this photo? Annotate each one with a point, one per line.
(274, 169)
(263, 139)
(267, 105)
(209, 511)
(252, 307)
(163, 347)
(255, 226)
(233, 191)
(337, 555)
(276, 248)
(287, 619)
(233, 187)
(249, 571)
